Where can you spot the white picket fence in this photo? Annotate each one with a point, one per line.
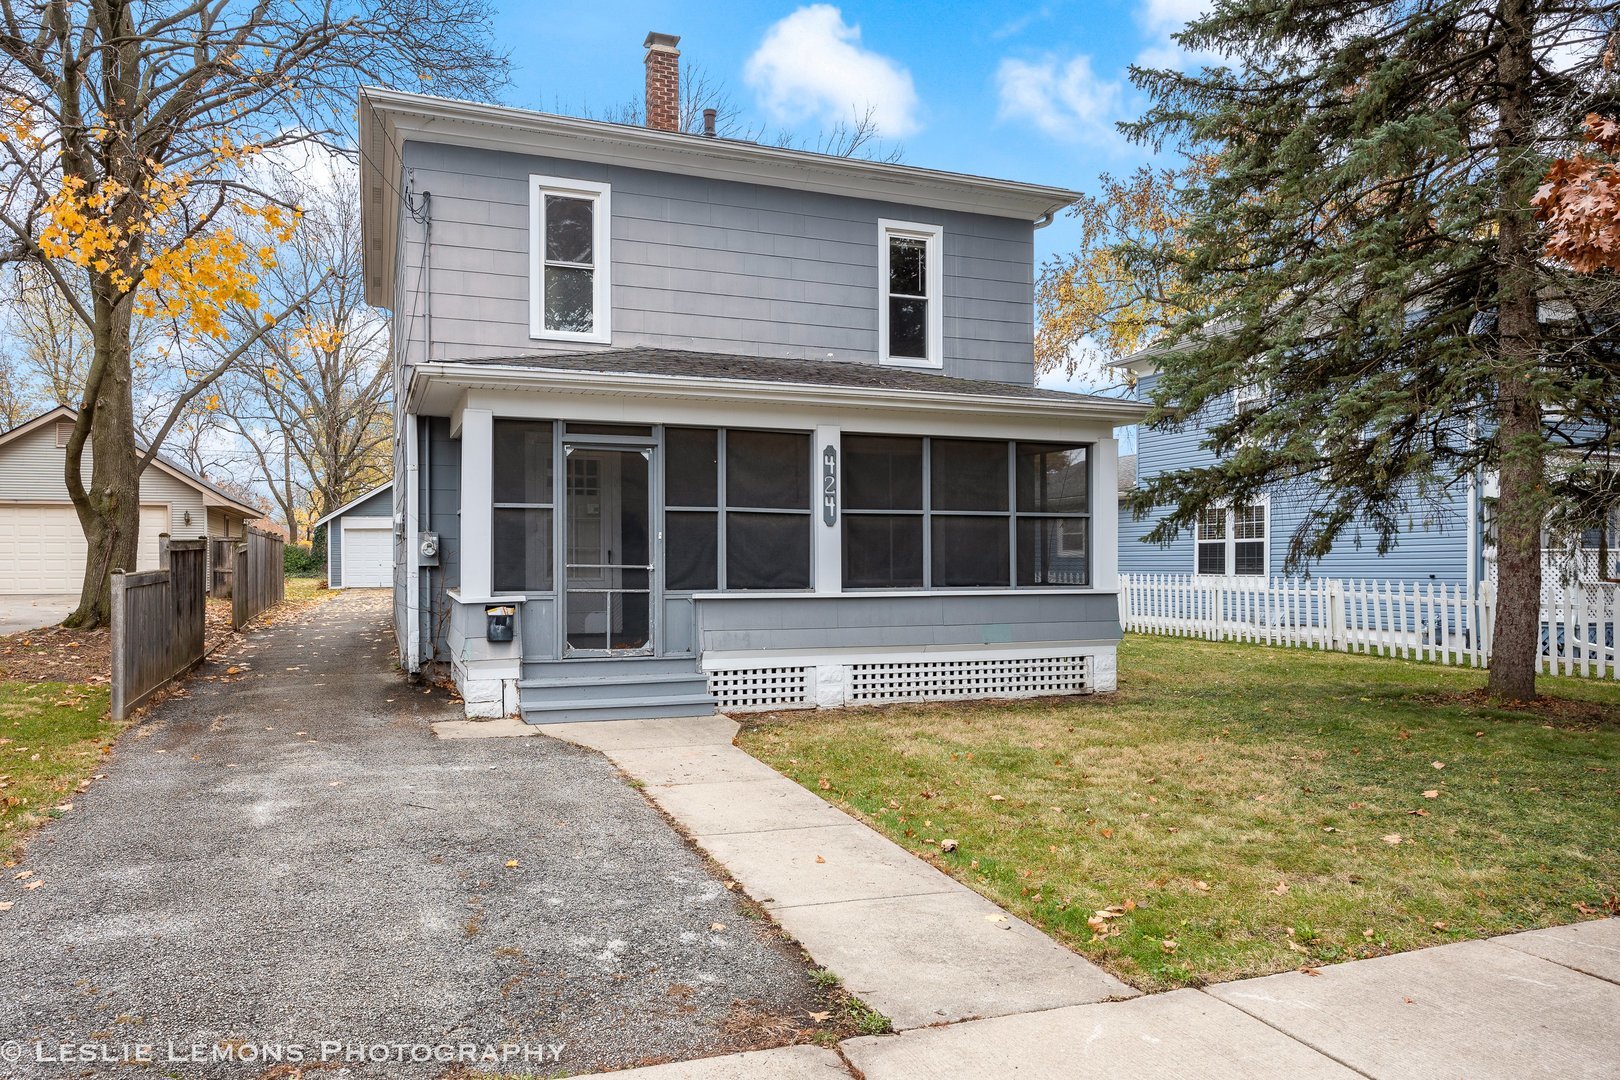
(1418, 620)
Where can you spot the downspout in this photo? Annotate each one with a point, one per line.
(411, 647)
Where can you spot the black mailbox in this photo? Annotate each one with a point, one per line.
(500, 623)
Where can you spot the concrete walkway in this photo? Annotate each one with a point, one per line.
(975, 993)
(910, 941)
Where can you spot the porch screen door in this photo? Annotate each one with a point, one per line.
(607, 573)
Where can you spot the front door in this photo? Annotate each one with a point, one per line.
(607, 568)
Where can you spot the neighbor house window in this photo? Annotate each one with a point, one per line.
(737, 509)
(521, 479)
(910, 283)
(1232, 540)
(964, 513)
(569, 268)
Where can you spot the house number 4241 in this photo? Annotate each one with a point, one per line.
(829, 485)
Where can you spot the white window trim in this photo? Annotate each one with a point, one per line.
(934, 236)
(1250, 396)
(602, 270)
(1231, 541)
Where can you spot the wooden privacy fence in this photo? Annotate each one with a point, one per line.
(222, 554)
(259, 577)
(157, 623)
(1417, 620)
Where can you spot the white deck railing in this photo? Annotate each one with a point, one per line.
(1417, 620)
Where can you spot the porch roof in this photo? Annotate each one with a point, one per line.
(665, 367)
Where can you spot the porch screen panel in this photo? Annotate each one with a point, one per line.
(767, 510)
(692, 509)
(1053, 505)
(737, 509)
(522, 520)
(968, 502)
(883, 512)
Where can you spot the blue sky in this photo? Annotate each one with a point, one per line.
(1015, 90)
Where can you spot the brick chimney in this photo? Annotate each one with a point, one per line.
(663, 81)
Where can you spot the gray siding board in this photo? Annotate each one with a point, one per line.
(334, 552)
(745, 623)
(713, 264)
(378, 505)
(440, 508)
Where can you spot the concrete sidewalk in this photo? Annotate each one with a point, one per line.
(974, 993)
(911, 942)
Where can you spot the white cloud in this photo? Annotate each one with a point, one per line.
(811, 65)
(1158, 19)
(1066, 100)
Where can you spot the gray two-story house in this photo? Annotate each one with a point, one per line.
(723, 424)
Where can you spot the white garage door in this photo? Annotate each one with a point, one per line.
(368, 556)
(42, 547)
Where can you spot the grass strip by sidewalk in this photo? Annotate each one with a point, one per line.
(1238, 810)
(52, 736)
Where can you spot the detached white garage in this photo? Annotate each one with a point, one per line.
(42, 547)
(360, 541)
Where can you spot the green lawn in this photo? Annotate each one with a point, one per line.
(52, 735)
(1236, 810)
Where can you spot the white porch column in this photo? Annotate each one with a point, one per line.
(1105, 516)
(827, 548)
(477, 501)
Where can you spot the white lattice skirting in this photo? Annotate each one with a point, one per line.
(930, 680)
(869, 682)
(762, 688)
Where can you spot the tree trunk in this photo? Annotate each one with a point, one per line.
(110, 509)
(288, 502)
(1522, 494)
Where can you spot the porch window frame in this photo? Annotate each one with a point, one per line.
(1012, 515)
(552, 509)
(933, 237)
(723, 509)
(600, 195)
(1086, 517)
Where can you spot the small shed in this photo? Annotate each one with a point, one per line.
(360, 541)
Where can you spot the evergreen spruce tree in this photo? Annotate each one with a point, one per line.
(1365, 251)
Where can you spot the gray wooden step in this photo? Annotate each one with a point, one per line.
(579, 710)
(614, 687)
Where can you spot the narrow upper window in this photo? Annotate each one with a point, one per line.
(569, 267)
(910, 276)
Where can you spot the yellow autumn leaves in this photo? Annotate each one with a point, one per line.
(139, 238)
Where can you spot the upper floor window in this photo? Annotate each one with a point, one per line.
(569, 265)
(910, 283)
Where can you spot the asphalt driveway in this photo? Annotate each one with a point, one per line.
(285, 857)
(25, 611)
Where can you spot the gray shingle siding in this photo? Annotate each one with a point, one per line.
(710, 264)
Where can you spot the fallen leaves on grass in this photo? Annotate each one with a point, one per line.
(1391, 838)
